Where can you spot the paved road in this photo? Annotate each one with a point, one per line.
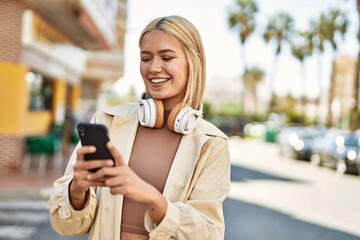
(272, 198)
(278, 198)
(25, 220)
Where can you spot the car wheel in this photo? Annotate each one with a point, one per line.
(341, 167)
(315, 160)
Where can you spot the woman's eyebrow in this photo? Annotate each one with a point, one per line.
(161, 51)
(166, 50)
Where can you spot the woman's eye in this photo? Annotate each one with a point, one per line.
(167, 58)
(145, 59)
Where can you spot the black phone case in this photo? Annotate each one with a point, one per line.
(94, 135)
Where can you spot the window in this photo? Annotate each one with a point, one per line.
(40, 92)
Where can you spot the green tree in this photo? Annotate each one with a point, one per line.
(288, 106)
(279, 30)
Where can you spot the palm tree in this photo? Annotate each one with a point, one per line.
(301, 48)
(251, 78)
(338, 23)
(318, 30)
(243, 20)
(279, 29)
(355, 108)
(325, 29)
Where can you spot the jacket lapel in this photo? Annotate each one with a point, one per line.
(122, 135)
(183, 167)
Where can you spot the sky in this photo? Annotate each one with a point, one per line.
(222, 45)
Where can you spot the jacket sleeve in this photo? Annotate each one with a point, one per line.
(65, 220)
(200, 216)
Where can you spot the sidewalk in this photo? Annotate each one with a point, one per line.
(27, 186)
(28, 180)
(33, 183)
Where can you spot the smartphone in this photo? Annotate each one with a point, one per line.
(92, 134)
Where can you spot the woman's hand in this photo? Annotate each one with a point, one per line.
(80, 183)
(121, 179)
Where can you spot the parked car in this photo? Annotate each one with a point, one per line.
(297, 142)
(337, 150)
(357, 163)
(303, 146)
(285, 140)
(357, 158)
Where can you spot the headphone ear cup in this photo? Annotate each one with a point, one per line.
(159, 110)
(183, 119)
(173, 116)
(151, 112)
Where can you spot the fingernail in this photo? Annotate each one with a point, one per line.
(89, 177)
(109, 163)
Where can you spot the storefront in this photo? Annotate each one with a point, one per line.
(42, 69)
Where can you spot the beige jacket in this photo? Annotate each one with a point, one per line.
(197, 185)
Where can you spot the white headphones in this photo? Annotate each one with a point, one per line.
(181, 120)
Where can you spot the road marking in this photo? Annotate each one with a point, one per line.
(24, 217)
(16, 232)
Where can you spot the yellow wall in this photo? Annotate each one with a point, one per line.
(14, 96)
(74, 98)
(59, 100)
(36, 123)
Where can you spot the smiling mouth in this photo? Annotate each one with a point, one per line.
(158, 80)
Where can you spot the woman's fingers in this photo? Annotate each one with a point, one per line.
(84, 150)
(119, 161)
(82, 164)
(96, 165)
(82, 168)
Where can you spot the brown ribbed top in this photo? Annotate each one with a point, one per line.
(151, 158)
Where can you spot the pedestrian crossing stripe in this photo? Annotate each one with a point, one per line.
(16, 232)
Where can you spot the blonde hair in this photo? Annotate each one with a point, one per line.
(188, 36)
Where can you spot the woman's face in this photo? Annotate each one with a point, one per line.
(163, 67)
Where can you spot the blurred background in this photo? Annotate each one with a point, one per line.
(281, 75)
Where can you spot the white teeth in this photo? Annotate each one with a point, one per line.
(158, 80)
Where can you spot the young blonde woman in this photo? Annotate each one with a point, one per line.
(172, 168)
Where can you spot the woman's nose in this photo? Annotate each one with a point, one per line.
(156, 65)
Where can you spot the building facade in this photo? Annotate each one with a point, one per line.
(342, 91)
(54, 58)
